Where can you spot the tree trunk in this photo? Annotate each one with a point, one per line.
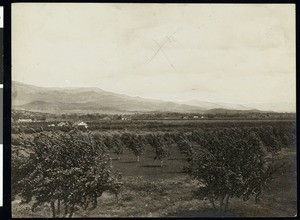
(95, 202)
(221, 204)
(53, 209)
(138, 159)
(34, 206)
(257, 197)
(226, 202)
(58, 207)
(71, 211)
(85, 206)
(110, 163)
(161, 163)
(211, 199)
(273, 158)
(66, 210)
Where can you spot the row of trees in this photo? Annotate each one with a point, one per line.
(271, 139)
(16, 114)
(71, 170)
(147, 125)
(227, 162)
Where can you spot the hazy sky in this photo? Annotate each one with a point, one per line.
(232, 53)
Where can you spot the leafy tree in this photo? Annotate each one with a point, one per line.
(231, 163)
(102, 141)
(159, 143)
(185, 146)
(269, 140)
(134, 143)
(20, 152)
(118, 146)
(66, 169)
(286, 135)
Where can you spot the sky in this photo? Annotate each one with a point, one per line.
(211, 52)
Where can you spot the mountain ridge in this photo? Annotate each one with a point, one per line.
(26, 97)
(93, 99)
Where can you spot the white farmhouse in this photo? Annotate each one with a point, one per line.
(82, 124)
(25, 120)
(107, 119)
(61, 124)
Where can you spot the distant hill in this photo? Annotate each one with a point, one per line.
(275, 106)
(34, 98)
(231, 111)
(95, 100)
(216, 105)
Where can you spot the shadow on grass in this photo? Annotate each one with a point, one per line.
(206, 212)
(176, 172)
(152, 166)
(176, 158)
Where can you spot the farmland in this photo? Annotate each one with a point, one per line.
(151, 188)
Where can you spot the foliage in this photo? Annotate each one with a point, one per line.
(268, 139)
(118, 146)
(65, 167)
(159, 142)
(72, 169)
(185, 146)
(134, 143)
(232, 163)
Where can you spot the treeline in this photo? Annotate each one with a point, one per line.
(271, 138)
(42, 116)
(135, 125)
(214, 114)
(229, 114)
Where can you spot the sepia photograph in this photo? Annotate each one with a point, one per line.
(153, 110)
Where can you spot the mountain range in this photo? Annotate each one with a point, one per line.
(95, 100)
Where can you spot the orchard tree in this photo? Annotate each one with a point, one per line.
(231, 163)
(159, 142)
(185, 146)
(102, 141)
(286, 135)
(110, 141)
(269, 140)
(65, 169)
(118, 146)
(134, 143)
